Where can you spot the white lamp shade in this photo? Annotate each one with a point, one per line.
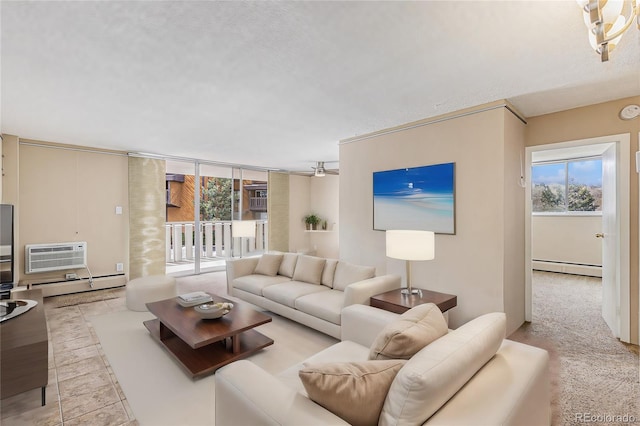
(411, 245)
(243, 228)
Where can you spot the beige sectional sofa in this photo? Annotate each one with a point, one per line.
(307, 289)
(468, 376)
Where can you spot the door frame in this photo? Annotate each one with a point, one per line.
(623, 142)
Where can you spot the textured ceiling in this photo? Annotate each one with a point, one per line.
(278, 84)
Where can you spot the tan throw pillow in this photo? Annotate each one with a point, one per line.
(268, 265)
(347, 273)
(411, 332)
(309, 269)
(353, 391)
(288, 264)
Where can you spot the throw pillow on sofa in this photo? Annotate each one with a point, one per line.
(347, 273)
(328, 272)
(288, 264)
(411, 332)
(269, 264)
(309, 269)
(354, 391)
(437, 372)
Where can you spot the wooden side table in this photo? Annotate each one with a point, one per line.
(395, 301)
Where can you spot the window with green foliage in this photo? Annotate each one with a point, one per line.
(216, 199)
(567, 186)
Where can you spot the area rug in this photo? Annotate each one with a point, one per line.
(86, 297)
(157, 389)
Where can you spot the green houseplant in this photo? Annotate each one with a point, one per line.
(312, 221)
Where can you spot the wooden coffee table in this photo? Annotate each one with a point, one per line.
(203, 346)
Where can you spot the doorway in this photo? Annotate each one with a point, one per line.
(615, 267)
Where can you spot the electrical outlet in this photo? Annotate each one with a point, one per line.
(119, 267)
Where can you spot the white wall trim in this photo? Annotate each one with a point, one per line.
(624, 142)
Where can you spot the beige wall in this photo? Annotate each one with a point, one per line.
(319, 195)
(513, 224)
(67, 195)
(324, 201)
(566, 239)
(589, 122)
(299, 199)
(483, 263)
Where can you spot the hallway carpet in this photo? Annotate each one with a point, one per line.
(594, 376)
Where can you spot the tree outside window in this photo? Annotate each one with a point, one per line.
(216, 199)
(567, 186)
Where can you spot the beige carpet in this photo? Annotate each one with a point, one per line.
(593, 374)
(86, 297)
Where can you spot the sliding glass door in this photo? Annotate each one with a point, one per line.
(203, 200)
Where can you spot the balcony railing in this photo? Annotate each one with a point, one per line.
(215, 241)
(258, 204)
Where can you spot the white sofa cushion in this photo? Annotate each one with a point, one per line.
(438, 371)
(328, 272)
(347, 273)
(309, 269)
(256, 283)
(412, 331)
(354, 391)
(269, 264)
(287, 293)
(326, 305)
(288, 264)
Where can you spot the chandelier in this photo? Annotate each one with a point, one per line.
(607, 21)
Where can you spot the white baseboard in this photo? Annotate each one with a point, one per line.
(567, 268)
(78, 286)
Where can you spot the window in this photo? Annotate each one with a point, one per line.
(567, 186)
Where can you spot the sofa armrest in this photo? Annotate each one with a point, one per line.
(245, 394)
(239, 268)
(362, 323)
(360, 292)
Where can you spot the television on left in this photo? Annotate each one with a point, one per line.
(6, 250)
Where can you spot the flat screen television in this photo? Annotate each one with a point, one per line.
(416, 198)
(6, 245)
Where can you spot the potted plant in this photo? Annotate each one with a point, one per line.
(312, 221)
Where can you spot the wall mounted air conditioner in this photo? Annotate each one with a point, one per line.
(54, 257)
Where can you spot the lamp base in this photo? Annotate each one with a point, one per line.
(410, 291)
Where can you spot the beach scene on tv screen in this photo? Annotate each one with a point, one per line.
(420, 198)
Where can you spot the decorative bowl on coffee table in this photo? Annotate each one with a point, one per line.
(213, 310)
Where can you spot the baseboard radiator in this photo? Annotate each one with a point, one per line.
(567, 267)
(55, 257)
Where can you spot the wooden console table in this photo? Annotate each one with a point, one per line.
(395, 301)
(24, 349)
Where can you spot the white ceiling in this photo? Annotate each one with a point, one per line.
(278, 84)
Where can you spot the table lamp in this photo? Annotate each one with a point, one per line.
(409, 246)
(243, 229)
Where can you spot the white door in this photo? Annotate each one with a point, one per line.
(610, 266)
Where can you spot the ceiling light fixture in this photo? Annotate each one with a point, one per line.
(320, 171)
(607, 21)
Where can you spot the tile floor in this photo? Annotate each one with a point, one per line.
(82, 389)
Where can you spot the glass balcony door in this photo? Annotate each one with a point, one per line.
(203, 200)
